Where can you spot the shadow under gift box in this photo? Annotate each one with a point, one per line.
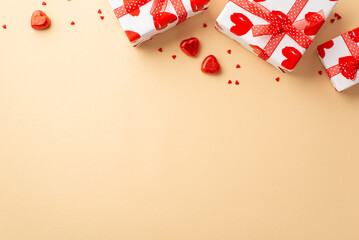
(143, 19)
(340, 57)
(278, 31)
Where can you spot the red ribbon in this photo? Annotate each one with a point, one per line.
(158, 7)
(280, 24)
(347, 66)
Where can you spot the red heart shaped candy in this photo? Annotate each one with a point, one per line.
(210, 65)
(190, 46)
(39, 20)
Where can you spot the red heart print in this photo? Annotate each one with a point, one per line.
(349, 72)
(293, 56)
(198, 5)
(162, 20)
(316, 21)
(354, 35)
(190, 46)
(321, 48)
(242, 24)
(39, 20)
(132, 36)
(133, 13)
(210, 65)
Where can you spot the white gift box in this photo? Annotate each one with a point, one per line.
(340, 57)
(140, 23)
(277, 31)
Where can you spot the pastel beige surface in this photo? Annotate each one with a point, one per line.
(99, 140)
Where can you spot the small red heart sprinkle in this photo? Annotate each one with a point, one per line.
(102, 17)
(190, 46)
(99, 11)
(339, 17)
(160, 50)
(44, 3)
(277, 79)
(72, 23)
(237, 83)
(229, 82)
(210, 65)
(335, 14)
(332, 20)
(320, 72)
(238, 66)
(229, 51)
(204, 25)
(174, 56)
(4, 26)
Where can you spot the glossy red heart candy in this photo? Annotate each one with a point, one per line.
(190, 46)
(39, 20)
(210, 65)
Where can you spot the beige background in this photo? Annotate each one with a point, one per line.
(102, 141)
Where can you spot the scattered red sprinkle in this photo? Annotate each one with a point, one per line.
(238, 66)
(229, 51)
(337, 15)
(332, 20)
(320, 72)
(44, 3)
(99, 11)
(102, 17)
(72, 23)
(277, 79)
(204, 25)
(174, 56)
(229, 82)
(160, 50)
(4, 26)
(237, 83)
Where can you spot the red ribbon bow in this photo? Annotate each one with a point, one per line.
(280, 24)
(158, 8)
(348, 66)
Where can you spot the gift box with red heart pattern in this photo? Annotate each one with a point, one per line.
(143, 19)
(340, 57)
(277, 31)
